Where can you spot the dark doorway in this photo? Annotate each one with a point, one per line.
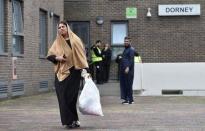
(82, 29)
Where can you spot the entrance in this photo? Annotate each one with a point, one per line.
(82, 29)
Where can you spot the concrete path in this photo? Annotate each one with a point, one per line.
(169, 113)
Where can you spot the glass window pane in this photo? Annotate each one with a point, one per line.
(119, 31)
(56, 19)
(17, 17)
(116, 51)
(17, 42)
(43, 33)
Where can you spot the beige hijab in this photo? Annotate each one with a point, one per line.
(74, 57)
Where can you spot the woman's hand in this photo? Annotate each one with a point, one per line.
(60, 58)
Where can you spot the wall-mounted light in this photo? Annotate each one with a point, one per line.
(99, 20)
(51, 13)
(149, 12)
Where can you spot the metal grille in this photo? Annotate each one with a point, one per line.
(172, 92)
(3, 90)
(43, 86)
(17, 88)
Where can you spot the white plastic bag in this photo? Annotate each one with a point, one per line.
(89, 99)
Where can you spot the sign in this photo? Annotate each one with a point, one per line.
(131, 12)
(179, 10)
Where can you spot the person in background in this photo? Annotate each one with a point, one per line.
(137, 58)
(106, 55)
(127, 72)
(118, 60)
(96, 57)
(68, 56)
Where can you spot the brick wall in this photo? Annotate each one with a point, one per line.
(30, 68)
(157, 39)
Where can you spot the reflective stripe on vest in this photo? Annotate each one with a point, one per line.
(137, 59)
(96, 58)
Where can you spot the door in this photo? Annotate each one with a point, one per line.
(82, 30)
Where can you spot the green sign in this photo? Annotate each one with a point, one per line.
(131, 12)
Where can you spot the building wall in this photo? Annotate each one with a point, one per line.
(31, 69)
(157, 39)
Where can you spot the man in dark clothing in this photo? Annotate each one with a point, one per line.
(97, 61)
(106, 53)
(127, 72)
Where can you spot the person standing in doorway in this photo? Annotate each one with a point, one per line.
(118, 61)
(96, 55)
(127, 72)
(68, 56)
(106, 54)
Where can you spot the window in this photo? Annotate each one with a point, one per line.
(17, 41)
(43, 33)
(1, 26)
(56, 19)
(118, 31)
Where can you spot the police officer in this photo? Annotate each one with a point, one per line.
(137, 58)
(106, 53)
(96, 57)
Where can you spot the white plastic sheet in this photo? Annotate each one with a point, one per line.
(89, 99)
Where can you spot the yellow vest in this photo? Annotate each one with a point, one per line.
(137, 59)
(94, 57)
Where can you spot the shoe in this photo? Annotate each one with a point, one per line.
(75, 124)
(131, 102)
(125, 102)
(70, 126)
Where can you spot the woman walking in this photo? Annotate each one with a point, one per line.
(68, 55)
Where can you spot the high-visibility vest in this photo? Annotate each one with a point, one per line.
(137, 59)
(94, 57)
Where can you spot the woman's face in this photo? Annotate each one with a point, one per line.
(62, 29)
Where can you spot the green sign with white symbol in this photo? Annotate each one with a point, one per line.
(131, 12)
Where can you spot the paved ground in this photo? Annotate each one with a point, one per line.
(168, 113)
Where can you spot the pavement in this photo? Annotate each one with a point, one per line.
(148, 113)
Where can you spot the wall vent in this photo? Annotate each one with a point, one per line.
(17, 88)
(43, 86)
(172, 92)
(3, 90)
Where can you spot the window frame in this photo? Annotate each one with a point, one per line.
(118, 48)
(43, 46)
(17, 33)
(55, 27)
(118, 22)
